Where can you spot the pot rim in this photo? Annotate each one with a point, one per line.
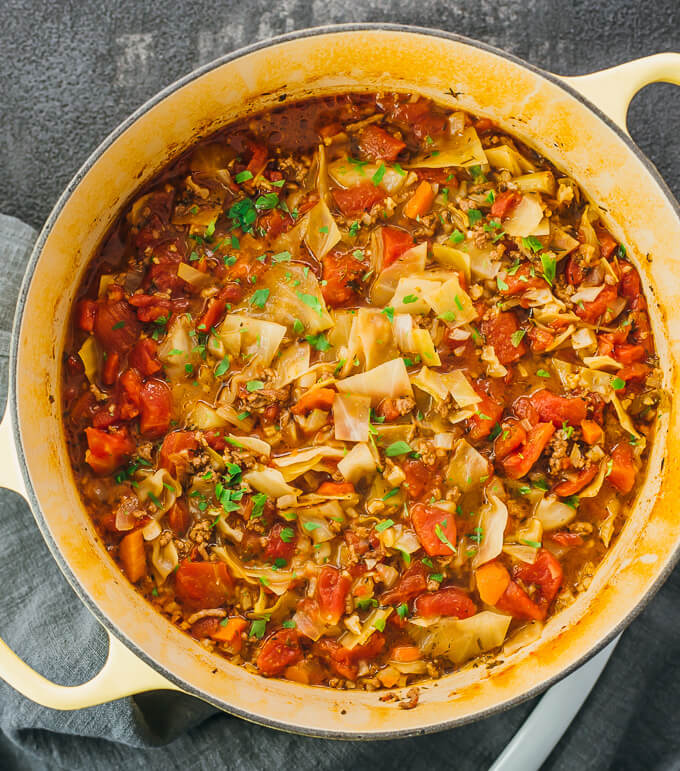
(12, 405)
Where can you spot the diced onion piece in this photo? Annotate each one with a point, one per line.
(444, 441)
(351, 415)
(409, 295)
(452, 258)
(258, 338)
(462, 639)
(194, 277)
(376, 619)
(293, 362)
(537, 182)
(601, 362)
(587, 294)
(309, 624)
(561, 242)
(269, 481)
(493, 518)
(493, 366)
(300, 462)
(400, 537)
(358, 463)
(402, 327)
(175, 350)
(388, 380)
(349, 174)
(150, 531)
(521, 553)
(412, 261)
(553, 514)
(464, 149)
(164, 558)
(316, 527)
(375, 341)
(253, 443)
(467, 467)
(624, 418)
(594, 487)
(205, 417)
(89, 355)
(504, 157)
(322, 231)
(451, 302)
(583, 338)
(425, 347)
(526, 218)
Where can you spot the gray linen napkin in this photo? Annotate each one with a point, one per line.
(628, 722)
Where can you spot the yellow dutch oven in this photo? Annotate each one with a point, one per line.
(554, 115)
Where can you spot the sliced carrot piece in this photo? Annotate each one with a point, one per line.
(420, 202)
(492, 581)
(132, 555)
(317, 399)
(592, 431)
(231, 631)
(405, 653)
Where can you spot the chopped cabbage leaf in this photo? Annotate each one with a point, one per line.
(452, 258)
(358, 463)
(410, 293)
(493, 518)
(322, 231)
(463, 149)
(412, 261)
(451, 302)
(462, 639)
(293, 362)
(467, 467)
(258, 337)
(269, 481)
(526, 219)
(89, 354)
(553, 513)
(351, 415)
(385, 381)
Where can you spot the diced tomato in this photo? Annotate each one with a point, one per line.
(217, 305)
(622, 474)
(641, 331)
(258, 157)
(627, 354)
(504, 203)
(540, 339)
(279, 651)
(566, 539)
(635, 371)
(151, 307)
(449, 601)
(316, 399)
(116, 326)
(336, 488)
(525, 410)
(342, 274)
(332, 587)
(144, 356)
(574, 271)
(498, 329)
(484, 125)
(438, 176)
(631, 287)
(545, 574)
(435, 528)
(559, 409)
(574, 483)
(216, 439)
(130, 394)
(520, 462)
(110, 367)
(412, 582)
(418, 118)
(387, 409)
(156, 408)
(86, 312)
(107, 450)
(488, 413)
(405, 653)
(607, 242)
(179, 518)
(518, 604)
(593, 310)
(417, 477)
(524, 278)
(512, 436)
(205, 627)
(200, 585)
(344, 660)
(377, 144)
(276, 547)
(176, 450)
(395, 242)
(358, 199)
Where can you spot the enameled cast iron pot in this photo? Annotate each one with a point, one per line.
(550, 113)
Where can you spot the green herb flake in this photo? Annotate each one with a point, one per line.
(243, 176)
(222, 367)
(438, 577)
(474, 216)
(311, 301)
(542, 373)
(410, 298)
(376, 179)
(456, 237)
(490, 197)
(311, 526)
(397, 448)
(288, 624)
(287, 534)
(549, 267)
(254, 385)
(379, 624)
(258, 627)
(618, 383)
(390, 494)
(298, 327)
(516, 337)
(353, 229)
(320, 341)
(389, 312)
(259, 297)
(533, 544)
(531, 243)
(384, 525)
(442, 536)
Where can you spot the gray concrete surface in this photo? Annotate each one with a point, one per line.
(71, 71)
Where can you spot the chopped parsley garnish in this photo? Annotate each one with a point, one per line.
(384, 525)
(267, 201)
(311, 301)
(402, 610)
(533, 544)
(474, 216)
(618, 383)
(456, 237)
(390, 493)
(366, 602)
(442, 535)
(243, 176)
(379, 174)
(389, 312)
(495, 431)
(254, 385)
(320, 341)
(502, 286)
(282, 257)
(259, 500)
(118, 325)
(572, 501)
(353, 229)
(259, 297)
(542, 373)
(379, 624)
(287, 534)
(516, 337)
(243, 214)
(490, 197)
(298, 326)
(410, 298)
(222, 367)
(447, 316)
(549, 266)
(532, 243)
(438, 577)
(258, 627)
(311, 526)
(288, 624)
(397, 448)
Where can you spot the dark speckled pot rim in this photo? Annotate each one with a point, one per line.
(65, 567)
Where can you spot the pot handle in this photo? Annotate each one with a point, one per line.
(123, 673)
(612, 89)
